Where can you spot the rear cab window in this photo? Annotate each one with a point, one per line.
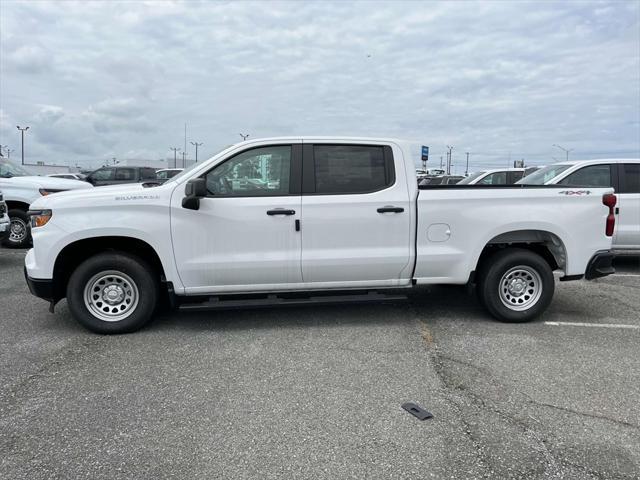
(589, 176)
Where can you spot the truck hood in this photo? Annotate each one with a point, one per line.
(98, 195)
(46, 183)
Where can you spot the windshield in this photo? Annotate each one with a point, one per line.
(470, 178)
(9, 169)
(194, 165)
(543, 175)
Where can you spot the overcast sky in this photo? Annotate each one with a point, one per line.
(98, 80)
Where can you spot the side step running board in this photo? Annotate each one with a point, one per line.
(275, 300)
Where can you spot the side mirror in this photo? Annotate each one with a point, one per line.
(194, 191)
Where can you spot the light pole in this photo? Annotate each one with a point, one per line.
(9, 152)
(22, 130)
(564, 149)
(184, 159)
(449, 159)
(175, 155)
(244, 136)
(466, 170)
(196, 145)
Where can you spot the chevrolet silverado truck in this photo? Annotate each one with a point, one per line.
(20, 188)
(288, 221)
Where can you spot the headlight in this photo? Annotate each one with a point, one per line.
(39, 218)
(48, 191)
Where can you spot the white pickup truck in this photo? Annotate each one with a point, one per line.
(20, 187)
(309, 220)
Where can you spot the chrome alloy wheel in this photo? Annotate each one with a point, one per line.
(17, 230)
(111, 296)
(520, 288)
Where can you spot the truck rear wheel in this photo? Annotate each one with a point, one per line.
(516, 285)
(112, 293)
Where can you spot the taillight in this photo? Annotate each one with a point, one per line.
(610, 200)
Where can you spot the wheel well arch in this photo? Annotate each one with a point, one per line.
(546, 244)
(16, 204)
(76, 252)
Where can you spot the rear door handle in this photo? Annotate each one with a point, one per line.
(389, 209)
(281, 211)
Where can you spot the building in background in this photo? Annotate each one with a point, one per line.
(143, 162)
(41, 168)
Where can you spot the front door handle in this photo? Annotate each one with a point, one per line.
(281, 211)
(389, 209)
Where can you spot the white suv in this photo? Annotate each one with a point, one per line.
(623, 174)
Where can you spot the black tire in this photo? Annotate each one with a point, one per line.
(12, 241)
(519, 278)
(122, 272)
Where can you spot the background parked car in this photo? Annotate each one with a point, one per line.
(20, 188)
(440, 180)
(622, 174)
(496, 176)
(167, 173)
(118, 175)
(69, 176)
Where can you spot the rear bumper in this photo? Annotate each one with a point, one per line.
(600, 265)
(42, 288)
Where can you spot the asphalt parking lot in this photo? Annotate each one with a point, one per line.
(316, 392)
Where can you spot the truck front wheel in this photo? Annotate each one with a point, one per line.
(112, 293)
(516, 285)
(19, 230)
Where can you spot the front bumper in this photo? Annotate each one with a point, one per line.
(42, 288)
(600, 265)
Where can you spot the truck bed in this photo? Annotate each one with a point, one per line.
(456, 222)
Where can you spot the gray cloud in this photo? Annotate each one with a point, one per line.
(489, 77)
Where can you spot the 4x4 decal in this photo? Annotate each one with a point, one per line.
(574, 192)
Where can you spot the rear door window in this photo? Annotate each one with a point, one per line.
(630, 177)
(589, 176)
(343, 169)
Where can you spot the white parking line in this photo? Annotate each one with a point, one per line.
(626, 274)
(601, 325)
